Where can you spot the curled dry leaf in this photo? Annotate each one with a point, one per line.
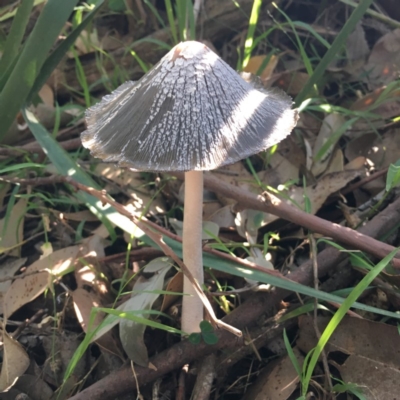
(175, 284)
(15, 362)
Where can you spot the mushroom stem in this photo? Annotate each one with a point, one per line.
(192, 307)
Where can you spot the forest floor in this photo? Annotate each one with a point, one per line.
(299, 240)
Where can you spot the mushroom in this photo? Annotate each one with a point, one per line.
(191, 112)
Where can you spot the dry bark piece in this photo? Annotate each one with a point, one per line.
(190, 112)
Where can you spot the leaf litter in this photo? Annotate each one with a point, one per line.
(65, 284)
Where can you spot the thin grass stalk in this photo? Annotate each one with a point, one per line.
(330, 55)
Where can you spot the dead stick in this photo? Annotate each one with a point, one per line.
(271, 204)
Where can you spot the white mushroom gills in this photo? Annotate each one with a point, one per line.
(190, 112)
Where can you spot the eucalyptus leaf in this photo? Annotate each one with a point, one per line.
(131, 333)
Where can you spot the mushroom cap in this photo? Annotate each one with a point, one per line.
(191, 111)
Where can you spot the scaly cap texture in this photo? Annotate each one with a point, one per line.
(191, 111)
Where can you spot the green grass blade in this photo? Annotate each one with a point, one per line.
(17, 167)
(5, 14)
(302, 50)
(248, 45)
(181, 17)
(340, 313)
(190, 21)
(56, 56)
(14, 38)
(171, 20)
(68, 167)
(337, 44)
(48, 26)
(291, 354)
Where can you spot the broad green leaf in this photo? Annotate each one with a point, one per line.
(14, 38)
(38, 45)
(56, 56)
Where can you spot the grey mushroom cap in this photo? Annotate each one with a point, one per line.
(191, 111)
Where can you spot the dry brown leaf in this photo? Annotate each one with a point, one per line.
(326, 186)
(89, 272)
(8, 268)
(175, 284)
(4, 187)
(383, 64)
(336, 163)
(47, 96)
(34, 386)
(357, 51)
(293, 82)
(24, 290)
(387, 106)
(277, 381)
(13, 234)
(87, 42)
(281, 171)
(224, 217)
(235, 174)
(381, 151)
(356, 163)
(386, 109)
(15, 362)
(256, 62)
(210, 208)
(377, 380)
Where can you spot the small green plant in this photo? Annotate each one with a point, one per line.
(207, 333)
